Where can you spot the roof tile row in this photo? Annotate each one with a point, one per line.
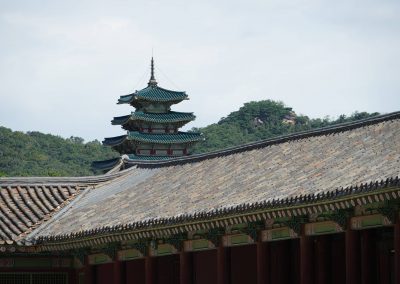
(24, 207)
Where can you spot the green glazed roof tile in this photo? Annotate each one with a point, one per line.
(121, 120)
(153, 93)
(112, 141)
(106, 164)
(171, 117)
(133, 157)
(180, 137)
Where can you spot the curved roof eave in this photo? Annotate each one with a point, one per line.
(171, 117)
(113, 141)
(155, 94)
(180, 137)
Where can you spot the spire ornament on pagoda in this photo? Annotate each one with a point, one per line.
(153, 129)
(152, 81)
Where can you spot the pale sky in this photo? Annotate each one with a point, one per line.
(64, 64)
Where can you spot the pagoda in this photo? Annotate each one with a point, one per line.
(153, 129)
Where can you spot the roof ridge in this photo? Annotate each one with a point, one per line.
(270, 141)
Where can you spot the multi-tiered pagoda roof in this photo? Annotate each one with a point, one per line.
(153, 93)
(152, 129)
(137, 118)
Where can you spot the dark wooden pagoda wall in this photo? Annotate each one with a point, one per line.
(356, 257)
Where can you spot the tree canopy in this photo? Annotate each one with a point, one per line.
(38, 154)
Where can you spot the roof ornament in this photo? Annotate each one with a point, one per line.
(152, 81)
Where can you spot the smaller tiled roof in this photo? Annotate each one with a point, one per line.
(170, 117)
(106, 164)
(125, 160)
(155, 94)
(25, 207)
(112, 141)
(180, 137)
(28, 202)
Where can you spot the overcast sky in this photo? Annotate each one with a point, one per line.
(64, 64)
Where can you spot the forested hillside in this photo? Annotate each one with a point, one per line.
(38, 154)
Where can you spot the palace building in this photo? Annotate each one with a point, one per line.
(320, 206)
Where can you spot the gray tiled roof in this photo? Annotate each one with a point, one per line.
(28, 202)
(22, 208)
(362, 153)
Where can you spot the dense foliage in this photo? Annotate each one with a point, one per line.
(38, 154)
(261, 120)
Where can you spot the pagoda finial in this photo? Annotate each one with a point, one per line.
(152, 81)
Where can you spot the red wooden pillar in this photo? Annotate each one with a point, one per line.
(321, 260)
(185, 268)
(118, 272)
(352, 256)
(222, 269)
(397, 252)
(89, 272)
(149, 269)
(368, 257)
(262, 269)
(384, 269)
(306, 257)
(338, 259)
